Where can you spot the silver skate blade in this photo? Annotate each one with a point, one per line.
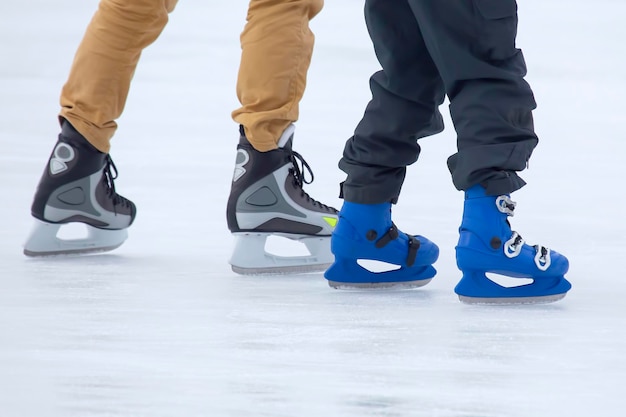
(250, 257)
(43, 241)
(378, 285)
(277, 270)
(544, 299)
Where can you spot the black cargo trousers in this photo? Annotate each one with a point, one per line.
(428, 49)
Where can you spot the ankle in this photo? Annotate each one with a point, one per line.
(367, 216)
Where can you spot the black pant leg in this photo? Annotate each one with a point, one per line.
(472, 43)
(405, 98)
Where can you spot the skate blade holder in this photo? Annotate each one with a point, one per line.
(478, 287)
(44, 240)
(250, 255)
(346, 274)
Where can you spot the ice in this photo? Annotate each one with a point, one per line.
(162, 327)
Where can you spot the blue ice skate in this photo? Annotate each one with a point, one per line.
(365, 232)
(488, 245)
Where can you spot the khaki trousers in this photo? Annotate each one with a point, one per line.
(277, 45)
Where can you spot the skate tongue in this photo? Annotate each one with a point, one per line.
(286, 139)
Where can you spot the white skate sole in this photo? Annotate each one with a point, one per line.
(251, 258)
(43, 241)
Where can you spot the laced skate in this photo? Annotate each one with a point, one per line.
(488, 245)
(77, 186)
(267, 199)
(366, 232)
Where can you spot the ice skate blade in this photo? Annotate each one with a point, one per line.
(475, 288)
(249, 256)
(43, 241)
(285, 270)
(378, 285)
(348, 274)
(512, 300)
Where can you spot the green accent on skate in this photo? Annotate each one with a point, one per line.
(332, 221)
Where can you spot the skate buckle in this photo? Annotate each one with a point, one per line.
(505, 205)
(513, 246)
(542, 257)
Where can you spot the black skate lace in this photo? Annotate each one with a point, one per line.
(299, 179)
(110, 174)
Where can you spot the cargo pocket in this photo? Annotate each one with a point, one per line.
(497, 28)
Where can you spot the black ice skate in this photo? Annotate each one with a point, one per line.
(267, 199)
(77, 187)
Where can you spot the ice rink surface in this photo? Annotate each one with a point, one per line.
(162, 327)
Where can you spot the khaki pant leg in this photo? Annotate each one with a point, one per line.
(95, 93)
(277, 45)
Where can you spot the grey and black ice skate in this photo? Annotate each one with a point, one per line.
(77, 187)
(267, 199)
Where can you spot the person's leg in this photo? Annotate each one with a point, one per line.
(266, 195)
(406, 95)
(77, 183)
(277, 45)
(473, 45)
(405, 98)
(95, 93)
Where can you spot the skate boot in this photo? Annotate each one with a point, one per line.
(266, 199)
(488, 245)
(366, 232)
(77, 187)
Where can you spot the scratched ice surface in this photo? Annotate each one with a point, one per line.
(163, 328)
